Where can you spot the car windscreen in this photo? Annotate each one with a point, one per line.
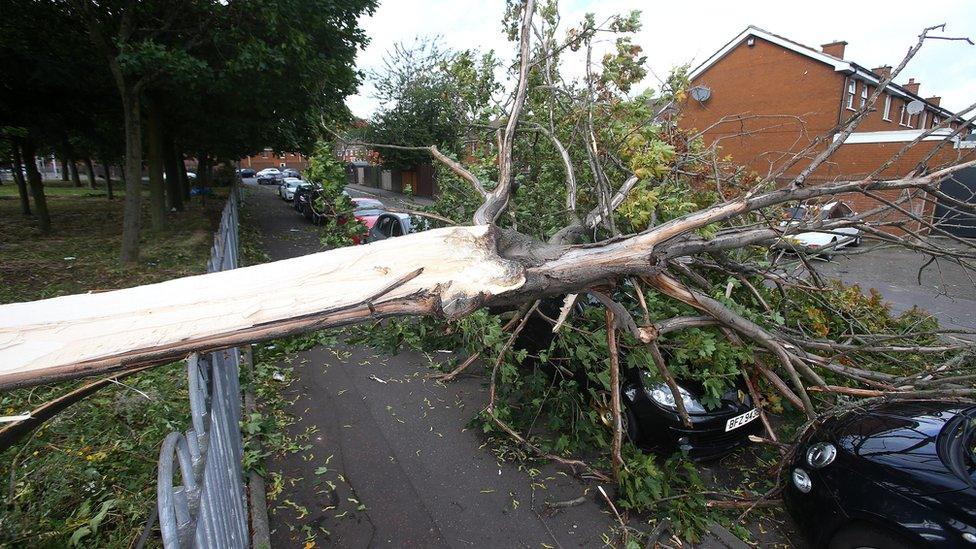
(366, 212)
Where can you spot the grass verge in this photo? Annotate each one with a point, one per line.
(88, 476)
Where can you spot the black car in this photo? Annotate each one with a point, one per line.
(289, 172)
(650, 416)
(303, 203)
(247, 172)
(893, 475)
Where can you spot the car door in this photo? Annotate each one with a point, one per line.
(382, 229)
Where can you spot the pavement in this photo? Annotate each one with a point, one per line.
(392, 460)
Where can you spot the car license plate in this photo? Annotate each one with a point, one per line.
(739, 421)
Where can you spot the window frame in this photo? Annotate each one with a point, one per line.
(887, 108)
(864, 95)
(851, 92)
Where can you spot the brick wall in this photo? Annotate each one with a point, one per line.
(269, 159)
(768, 103)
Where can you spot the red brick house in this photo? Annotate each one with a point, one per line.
(271, 159)
(762, 98)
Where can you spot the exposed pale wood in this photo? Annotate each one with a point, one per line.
(76, 335)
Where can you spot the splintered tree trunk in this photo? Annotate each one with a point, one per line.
(157, 188)
(36, 186)
(19, 178)
(90, 167)
(133, 177)
(441, 271)
(174, 179)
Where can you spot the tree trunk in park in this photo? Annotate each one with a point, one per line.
(174, 180)
(132, 211)
(64, 168)
(36, 186)
(90, 167)
(157, 187)
(108, 177)
(73, 168)
(19, 178)
(184, 178)
(203, 170)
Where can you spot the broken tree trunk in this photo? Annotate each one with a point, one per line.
(443, 271)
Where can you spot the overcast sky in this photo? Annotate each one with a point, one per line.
(682, 32)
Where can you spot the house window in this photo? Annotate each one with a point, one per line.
(935, 121)
(264, 154)
(904, 117)
(851, 91)
(887, 108)
(925, 116)
(864, 96)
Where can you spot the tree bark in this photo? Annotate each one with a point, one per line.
(157, 188)
(108, 177)
(90, 167)
(174, 179)
(64, 168)
(19, 178)
(73, 168)
(203, 170)
(36, 186)
(184, 178)
(132, 211)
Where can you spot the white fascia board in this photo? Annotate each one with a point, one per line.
(899, 136)
(837, 64)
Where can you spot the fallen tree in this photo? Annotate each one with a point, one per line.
(669, 244)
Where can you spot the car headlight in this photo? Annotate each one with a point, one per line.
(662, 394)
(821, 454)
(802, 480)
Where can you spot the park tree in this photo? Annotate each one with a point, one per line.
(214, 80)
(430, 96)
(673, 241)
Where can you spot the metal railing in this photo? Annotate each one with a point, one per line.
(207, 506)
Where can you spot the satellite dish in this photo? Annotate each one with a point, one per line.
(700, 93)
(915, 107)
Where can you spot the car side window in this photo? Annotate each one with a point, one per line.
(397, 227)
(384, 226)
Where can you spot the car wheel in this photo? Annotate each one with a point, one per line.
(868, 536)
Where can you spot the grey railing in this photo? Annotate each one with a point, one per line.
(204, 504)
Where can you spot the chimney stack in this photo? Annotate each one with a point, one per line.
(912, 86)
(884, 71)
(835, 48)
(935, 100)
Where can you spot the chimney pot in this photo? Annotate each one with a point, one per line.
(935, 100)
(884, 71)
(912, 86)
(835, 48)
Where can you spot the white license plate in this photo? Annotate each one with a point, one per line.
(739, 421)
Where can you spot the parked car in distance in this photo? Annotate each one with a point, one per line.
(269, 176)
(246, 172)
(814, 241)
(392, 224)
(287, 188)
(892, 475)
(366, 211)
(289, 172)
(192, 176)
(650, 414)
(303, 196)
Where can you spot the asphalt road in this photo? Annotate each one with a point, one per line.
(392, 460)
(943, 289)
